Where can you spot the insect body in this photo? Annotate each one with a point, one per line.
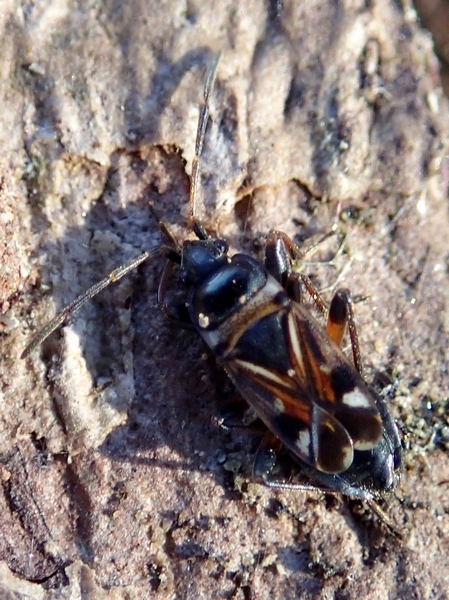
(286, 365)
(291, 370)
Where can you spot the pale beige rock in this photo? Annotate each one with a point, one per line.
(115, 483)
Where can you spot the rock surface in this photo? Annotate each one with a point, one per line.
(115, 482)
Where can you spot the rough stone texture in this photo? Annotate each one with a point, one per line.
(115, 483)
(434, 15)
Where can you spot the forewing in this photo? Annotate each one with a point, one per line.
(285, 406)
(308, 394)
(334, 383)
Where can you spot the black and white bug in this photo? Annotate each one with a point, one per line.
(284, 363)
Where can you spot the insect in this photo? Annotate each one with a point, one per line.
(283, 362)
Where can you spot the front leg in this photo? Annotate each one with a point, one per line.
(282, 259)
(176, 314)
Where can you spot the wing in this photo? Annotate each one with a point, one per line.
(305, 390)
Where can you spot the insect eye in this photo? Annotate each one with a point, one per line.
(221, 248)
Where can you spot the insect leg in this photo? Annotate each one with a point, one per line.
(165, 229)
(265, 465)
(65, 315)
(177, 314)
(282, 258)
(200, 134)
(280, 255)
(383, 517)
(341, 311)
(266, 458)
(235, 414)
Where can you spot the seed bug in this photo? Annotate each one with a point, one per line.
(282, 361)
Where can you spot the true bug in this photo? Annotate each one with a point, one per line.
(288, 367)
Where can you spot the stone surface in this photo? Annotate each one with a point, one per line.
(115, 482)
(434, 15)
